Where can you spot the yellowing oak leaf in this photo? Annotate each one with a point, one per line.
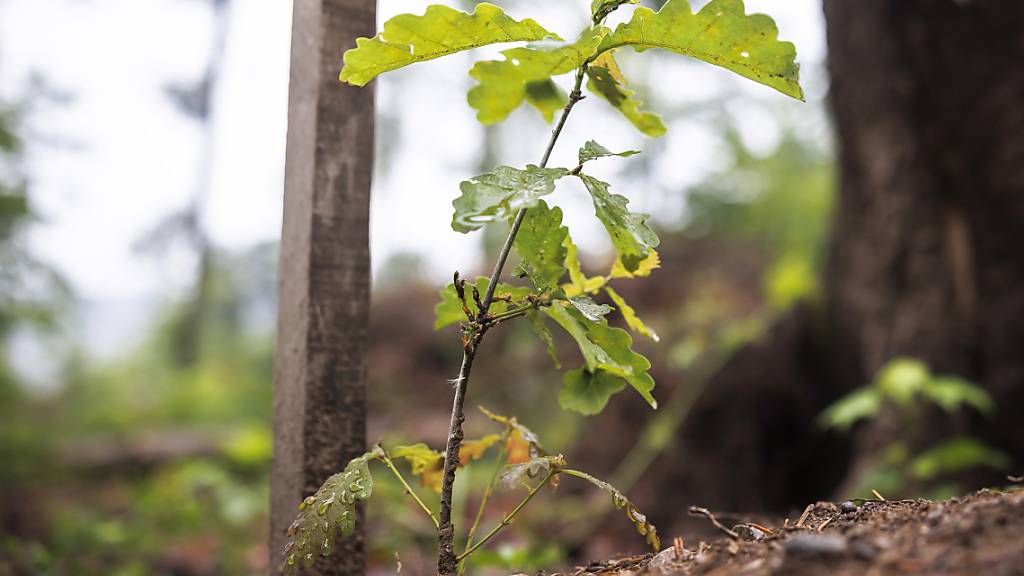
(475, 449)
(440, 31)
(607, 81)
(721, 34)
(525, 74)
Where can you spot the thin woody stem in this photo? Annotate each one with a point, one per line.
(508, 518)
(386, 459)
(447, 562)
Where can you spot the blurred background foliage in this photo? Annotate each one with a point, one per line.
(155, 460)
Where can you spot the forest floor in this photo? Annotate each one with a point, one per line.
(981, 534)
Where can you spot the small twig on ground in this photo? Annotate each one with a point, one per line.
(805, 515)
(825, 523)
(878, 495)
(698, 511)
(764, 529)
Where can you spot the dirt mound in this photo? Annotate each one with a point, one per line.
(981, 534)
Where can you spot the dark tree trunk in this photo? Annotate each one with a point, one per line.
(927, 257)
(324, 272)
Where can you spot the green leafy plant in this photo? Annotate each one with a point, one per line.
(721, 33)
(906, 384)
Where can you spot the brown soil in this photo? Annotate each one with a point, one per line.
(981, 534)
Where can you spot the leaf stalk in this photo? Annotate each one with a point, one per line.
(386, 459)
(510, 516)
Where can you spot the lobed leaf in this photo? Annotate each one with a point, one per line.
(605, 348)
(542, 332)
(546, 97)
(588, 392)
(632, 238)
(540, 245)
(649, 264)
(516, 474)
(573, 266)
(592, 151)
(475, 449)
(425, 462)
(498, 195)
(591, 310)
(502, 85)
(522, 443)
(721, 34)
(408, 39)
(606, 80)
(619, 500)
(332, 508)
(629, 315)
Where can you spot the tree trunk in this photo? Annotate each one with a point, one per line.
(926, 259)
(324, 272)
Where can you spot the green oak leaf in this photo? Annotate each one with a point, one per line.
(498, 195)
(588, 392)
(721, 34)
(591, 310)
(541, 330)
(504, 84)
(408, 39)
(576, 326)
(630, 235)
(546, 97)
(629, 315)
(540, 245)
(449, 310)
(605, 348)
(332, 508)
(607, 81)
(592, 151)
(617, 343)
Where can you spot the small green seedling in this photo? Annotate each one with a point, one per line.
(721, 33)
(906, 384)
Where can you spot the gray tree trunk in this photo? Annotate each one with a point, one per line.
(324, 271)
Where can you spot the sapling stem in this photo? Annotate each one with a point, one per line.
(447, 562)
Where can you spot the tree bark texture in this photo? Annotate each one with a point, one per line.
(926, 258)
(324, 271)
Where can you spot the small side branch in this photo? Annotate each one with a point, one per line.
(386, 459)
(510, 516)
